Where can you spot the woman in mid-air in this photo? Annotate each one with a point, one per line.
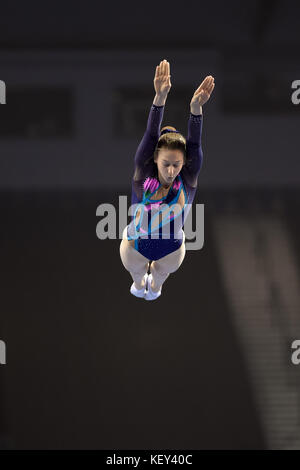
(166, 169)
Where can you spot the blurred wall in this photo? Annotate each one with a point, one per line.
(75, 119)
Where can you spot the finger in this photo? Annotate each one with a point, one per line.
(168, 69)
(203, 84)
(165, 67)
(209, 81)
(160, 69)
(211, 88)
(210, 85)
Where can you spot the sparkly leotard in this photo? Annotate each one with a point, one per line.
(155, 238)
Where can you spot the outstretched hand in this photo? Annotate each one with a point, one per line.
(162, 83)
(202, 94)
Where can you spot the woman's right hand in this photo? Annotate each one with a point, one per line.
(162, 83)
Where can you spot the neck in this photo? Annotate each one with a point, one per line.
(164, 184)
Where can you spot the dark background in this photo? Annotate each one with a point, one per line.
(207, 365)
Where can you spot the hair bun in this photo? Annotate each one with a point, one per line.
(169, 130)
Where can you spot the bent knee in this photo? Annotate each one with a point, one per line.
(131, 258)
(168, 266)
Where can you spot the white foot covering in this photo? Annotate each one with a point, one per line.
(149, 294)
(139, 292)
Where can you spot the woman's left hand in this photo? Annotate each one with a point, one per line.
(202, 94)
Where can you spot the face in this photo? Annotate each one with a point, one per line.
(169, 164)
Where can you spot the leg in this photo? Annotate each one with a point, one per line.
(134, 262)
(162, 267)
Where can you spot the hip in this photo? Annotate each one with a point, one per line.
(181, 236)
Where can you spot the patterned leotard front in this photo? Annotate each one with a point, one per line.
(156, 224)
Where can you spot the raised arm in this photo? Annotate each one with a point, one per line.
(193, 141)
(193, 145)
(162, 85)
(148, 143)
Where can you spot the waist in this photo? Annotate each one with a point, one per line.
(131, 234)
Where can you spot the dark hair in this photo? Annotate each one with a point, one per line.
(171, 141)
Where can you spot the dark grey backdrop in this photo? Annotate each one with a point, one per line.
(89, 365)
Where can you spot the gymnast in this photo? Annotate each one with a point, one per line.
(164, 183)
